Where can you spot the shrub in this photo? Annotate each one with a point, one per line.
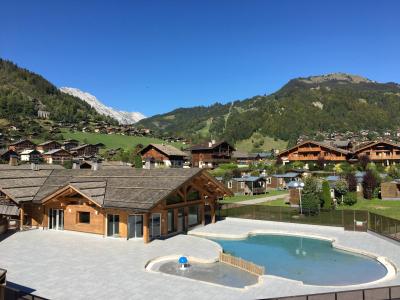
(370, 182)
(326, 199)
(310, 195)
(351, 182)
(350, 199)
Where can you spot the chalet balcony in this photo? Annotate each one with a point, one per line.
(311, 149)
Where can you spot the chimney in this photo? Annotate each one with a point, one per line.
(13, 161)
(95, 166)
(213, 142)
(75, 166)
(34, 167)
(210, 144)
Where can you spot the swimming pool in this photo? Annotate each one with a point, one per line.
(309, 260)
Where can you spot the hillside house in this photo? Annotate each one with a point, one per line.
(69, 144)
(6, 154)
(30, 155)
(21, 145)
(57, 156)
(280, 181)
(115, 203)
(85, 150)
(48, 146)
(381, 152)
(210, 155)
(312, 151)
(162, 155)
(247, 185)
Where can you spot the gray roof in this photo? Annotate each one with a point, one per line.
(53, 151)
(166, 149)
(119, 188)
(287, 175)
(249, 178)
(29, 167)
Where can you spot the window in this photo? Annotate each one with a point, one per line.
(193, 218)
(193, 195)
(84, 217)
(242, 185)
(268, 180)
(229, 184)
(174, 199)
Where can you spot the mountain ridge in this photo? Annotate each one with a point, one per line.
(122, 117)
(304, 105)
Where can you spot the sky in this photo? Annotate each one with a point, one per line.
(156, 56)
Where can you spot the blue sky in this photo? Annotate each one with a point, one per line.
(155, 56)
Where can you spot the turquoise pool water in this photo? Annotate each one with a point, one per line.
(309, 260)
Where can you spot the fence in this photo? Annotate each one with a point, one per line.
(384, 226)
(282, 214)
(390, 292)
(354, 220)
(241, 264)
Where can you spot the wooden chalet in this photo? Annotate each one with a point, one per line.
(30, 155)
(162, 155)
(57, 156)
(6, 154)
(210, 155)
(126, 203)
(381, 152)
(21, 145)
(311, 151)
(247, 185)
(69, 144)
(48, 146)
(85, 150)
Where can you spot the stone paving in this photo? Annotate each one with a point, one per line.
(68, 265)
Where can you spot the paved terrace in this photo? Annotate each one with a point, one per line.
(68, 265)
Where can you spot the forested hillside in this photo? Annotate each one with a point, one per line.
(328, 103)
(23, 93)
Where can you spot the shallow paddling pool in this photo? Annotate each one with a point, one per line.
(309, 260)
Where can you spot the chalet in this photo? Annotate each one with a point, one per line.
(48, 146)
(280, 181)
(21, 145)
(125, 203)
(382, 152)
(247, 185)
(30, 155)
(6, 154)
(210, 155)
(69, 144)
(57, 156)
(85, 150)
(161, 155)
(390, 190)
(312, 151)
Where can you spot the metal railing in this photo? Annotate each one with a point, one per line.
(241, 264)
(389, 292)
(385, 226)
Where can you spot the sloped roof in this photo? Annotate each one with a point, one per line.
(321, 144)
(249, 178)
(8, 209)
(48, 142)
(119, 188)
(21, 141)
(206, 146)
(166, 149)
(53, 151)
(368, 145)
(287, 175)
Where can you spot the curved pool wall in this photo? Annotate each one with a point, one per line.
(312, 261)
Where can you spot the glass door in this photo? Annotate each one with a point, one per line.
(155, 225)
(112, 225)
(181, 219)
(56, 219)
(171, 223)
(135, 226)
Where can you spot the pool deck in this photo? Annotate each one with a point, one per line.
(68, 265)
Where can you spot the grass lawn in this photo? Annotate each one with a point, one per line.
(269, 143)
(249, 197)
(113, 140)
(386, 208)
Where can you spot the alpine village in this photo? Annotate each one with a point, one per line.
(126, 202)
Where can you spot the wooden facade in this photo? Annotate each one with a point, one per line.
(57, 156)
(22, 145)
(90, 202)
(85, 150)
(311, 151)
(247, 186)
(160, 155)
(48, 146)
(212, 154)
(380, 152)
